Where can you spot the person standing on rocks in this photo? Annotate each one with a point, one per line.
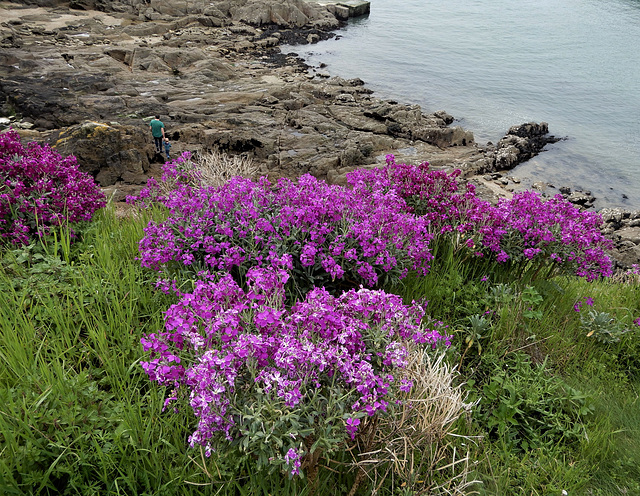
(157, 131)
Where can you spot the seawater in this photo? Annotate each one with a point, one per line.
(574, 64)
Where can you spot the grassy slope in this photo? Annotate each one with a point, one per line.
(78, 415)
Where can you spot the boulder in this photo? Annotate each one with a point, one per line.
(613, 216)
(626, 257)
(110, 153)
(521, 143)
(581, 198)
(444, 137)
(631, 234)
(284, 13)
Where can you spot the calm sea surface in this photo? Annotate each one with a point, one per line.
(495, 63)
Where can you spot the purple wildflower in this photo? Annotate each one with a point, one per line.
(352, 427)
(40, 190)
(292, 459)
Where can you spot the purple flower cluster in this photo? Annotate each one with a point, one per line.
(332, 357)
(383, 223)
(587, 300)
(40, 189)
(518, 230)
(223, 345)
(354, 234)
(292, 459)
(546, 231)
(433, 194)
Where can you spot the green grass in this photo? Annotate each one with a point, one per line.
(553, 345)
(558, 409)
(77, 414)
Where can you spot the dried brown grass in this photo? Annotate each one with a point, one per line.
(629, 276)
(215, 168)
(210, 168)
(416, 445)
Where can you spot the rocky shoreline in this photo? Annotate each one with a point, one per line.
(86, 76)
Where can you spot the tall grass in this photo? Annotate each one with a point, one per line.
(79, 416)
(547, 339)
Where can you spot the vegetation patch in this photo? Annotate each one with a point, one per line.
(396, 336)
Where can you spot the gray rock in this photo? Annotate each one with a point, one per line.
(631, 234)
(540, 185)
(109, 153)
(445, 137)
(626, 257)
(345, 98)
(579, 198)
(612, 215)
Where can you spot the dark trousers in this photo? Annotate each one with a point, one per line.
(158, 142)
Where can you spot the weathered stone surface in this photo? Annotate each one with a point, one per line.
(111, 153)
(86, 76)
(626, 257)
(613, 216)
(630, 234)
(226, 87)
(444, 137)
(581, 198)
(522, 143)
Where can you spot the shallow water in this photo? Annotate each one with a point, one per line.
(492, 64)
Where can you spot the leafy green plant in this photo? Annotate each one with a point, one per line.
(500, 295)
(523, 406)
(531, 300)
(474, 333)
(602, 326)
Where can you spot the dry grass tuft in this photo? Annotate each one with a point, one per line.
(629, 276)
(417, 444)
(215, 168)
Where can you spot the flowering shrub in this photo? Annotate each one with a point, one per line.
(552, 232)
(332, 233)
(285, 382)
(280, 383)
(433, 194)
(41, 189)
(382, 225)
(549, 233)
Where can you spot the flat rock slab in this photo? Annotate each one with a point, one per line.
(630, 234)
